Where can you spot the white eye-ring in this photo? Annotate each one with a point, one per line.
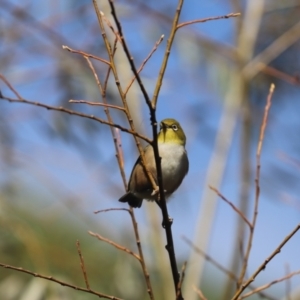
(174, 127)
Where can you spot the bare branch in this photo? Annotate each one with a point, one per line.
(3, 78)
(257, 184)
(82, 265)
(232, 205)
(279, 74)
(119, 87)
(97, 104)
(117, 138)
(210, 259)
(199, 293)
(86, 54)
(263, 287)
(167, 54)
(181, 281)
(264, 264)
(231, 15)
(108, 241)
(75, 113)
(230, 274)
(111, 209)
(108, 23)
(50, 278)
(144, 63)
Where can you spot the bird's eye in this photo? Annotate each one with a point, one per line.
(174, 127)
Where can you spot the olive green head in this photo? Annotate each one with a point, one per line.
(171, 132)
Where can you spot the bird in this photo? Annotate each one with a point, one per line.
(171, 142)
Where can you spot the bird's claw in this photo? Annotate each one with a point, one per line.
(170, 221)
(155, 192)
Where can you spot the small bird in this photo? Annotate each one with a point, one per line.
(174, 164)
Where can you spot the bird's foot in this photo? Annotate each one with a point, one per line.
(170, 222)
(155, 191)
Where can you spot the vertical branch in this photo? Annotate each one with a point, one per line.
(257, 183)
(82, 265)
(121, 93)
(167, 54)
(264, 264)
(152, 110)
(119, 156)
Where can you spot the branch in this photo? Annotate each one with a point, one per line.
(10, 87)
(119, 155)
(199, 293)
(261, 288)
(97, 104)
(139, 246)
(167, 54)
(86, 54)
(232, 205)
(215, 263)
(111, 209)
(144, 63)
(167, 222)
(119, 87)
(128, 55)
(231, 15)
(75, 113)
(50, 278)
(279, 74)
(178, 294)
(82, 265)
(257, 184)
(264, 264)
(108, 241)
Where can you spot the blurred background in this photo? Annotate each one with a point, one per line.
(57, 169)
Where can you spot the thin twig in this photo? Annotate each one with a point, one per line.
(142, 260)
(288, 283)
(144, 63)
(152, 109)
(199, 293)
(231, 15)
(263, 287)
(210, 259)
(139, 246)
(126, 50)
(119, 155)
(230, 274)
(232, 205)
(114, 133)
(86, 54)
(111, 209)
(75, 113)
(264, 264)
(119, 87)
(82, 265)
(167, 222)
(50, 278)
(181, 281)
(110, 26)
(3, 78)
(167, 54)
(257, 184)
(279, 74)
(97, 104)
(108, 241)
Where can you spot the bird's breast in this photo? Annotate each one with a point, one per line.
(174, 165)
